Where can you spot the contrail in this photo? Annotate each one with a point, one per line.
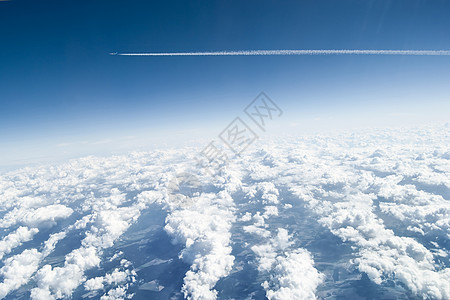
(293, 52)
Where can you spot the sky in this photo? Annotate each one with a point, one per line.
(62, 93)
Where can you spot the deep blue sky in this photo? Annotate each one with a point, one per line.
(58, 84)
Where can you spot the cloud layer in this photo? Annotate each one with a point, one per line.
(382, 194)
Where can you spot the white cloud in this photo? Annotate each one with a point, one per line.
(294, 277)
(358, 186)
(18, 269)
(15, 239)
(107, 227)
(118, 293)
(292, 272)
(116, 277)
(35, 217)
(95, 283)
(266, 253)
(343, 184)
(204, 229)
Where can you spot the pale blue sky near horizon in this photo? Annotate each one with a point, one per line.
(60, 88)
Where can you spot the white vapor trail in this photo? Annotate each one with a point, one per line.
(294, 52)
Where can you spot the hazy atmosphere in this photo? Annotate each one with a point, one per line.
(60, 86)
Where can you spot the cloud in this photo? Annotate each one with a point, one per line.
(118, 293)
(204, 230)
(266, 253)
(42, 216)
(15, 239)
(18, 269)
(349, 186)
(294, 277)
(117, 276)
(107, 227)
(62, 190)
(292, 272)
(383, 192)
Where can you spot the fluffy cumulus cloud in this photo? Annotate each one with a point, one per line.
(46, 215)
(204, 229)
(292, 274)
(50, 198)
(18, 269)
(118, 276)
(59, 282)
(294, 277)
(383, 194)
(364, 194)
(16, 238)
(107, 227)
(267, 253)
(382, 254)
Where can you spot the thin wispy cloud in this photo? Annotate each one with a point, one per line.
(292, 52)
